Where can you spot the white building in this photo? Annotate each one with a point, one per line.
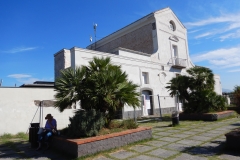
(152, 50)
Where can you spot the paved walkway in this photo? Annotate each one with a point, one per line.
(189, 141)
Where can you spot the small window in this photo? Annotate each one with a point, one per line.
(153, 26)
(162, 68)
(145, 78)
(172, 25)
(177, 74)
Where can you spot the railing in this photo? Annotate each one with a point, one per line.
(179, 62)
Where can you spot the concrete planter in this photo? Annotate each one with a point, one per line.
(87, 146)
(206, 116)
(233, 140)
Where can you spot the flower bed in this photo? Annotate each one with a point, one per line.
(87, 146)
(206, 116)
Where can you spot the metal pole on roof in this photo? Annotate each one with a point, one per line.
(95, 32)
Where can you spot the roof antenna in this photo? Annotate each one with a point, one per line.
(95, 32)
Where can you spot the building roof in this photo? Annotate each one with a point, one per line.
(39, 84)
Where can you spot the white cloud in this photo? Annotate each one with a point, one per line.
(223, 58)
(235, 70)
(28, 80)
(203, 35)
(220, 19)
(197, 30)
(230, 35)
(229, 22)
(20, 49)
(17, 76)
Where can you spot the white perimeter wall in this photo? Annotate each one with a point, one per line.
(17, 109)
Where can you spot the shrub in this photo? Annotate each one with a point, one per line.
(85, 123)
(236, 94)
(130, 124)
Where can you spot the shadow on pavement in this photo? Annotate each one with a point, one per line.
(22, 149)
(213, 148)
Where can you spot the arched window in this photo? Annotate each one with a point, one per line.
(172, 25)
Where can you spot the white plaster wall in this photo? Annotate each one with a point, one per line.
(17, 109)
(134, 64)
(217, 85)
(164, 33)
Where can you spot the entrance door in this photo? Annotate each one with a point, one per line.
(146, 102)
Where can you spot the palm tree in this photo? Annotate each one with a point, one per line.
(197, 91)
(69, 87)
(201, 78)
(100, 85)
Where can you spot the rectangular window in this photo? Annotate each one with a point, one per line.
(175, 51)
(145, 78)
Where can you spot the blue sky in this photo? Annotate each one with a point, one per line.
(32, 31)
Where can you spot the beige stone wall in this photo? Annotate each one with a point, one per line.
(62, 60)
(138, 40)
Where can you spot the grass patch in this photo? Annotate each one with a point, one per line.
(8, 139)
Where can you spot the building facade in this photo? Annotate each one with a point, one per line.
(152, 50)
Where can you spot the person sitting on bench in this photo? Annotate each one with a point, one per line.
(49, 130)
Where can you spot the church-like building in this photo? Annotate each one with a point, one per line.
(152, 50)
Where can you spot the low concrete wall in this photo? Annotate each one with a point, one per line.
(87, 146)
(206, 116)
(18, 107)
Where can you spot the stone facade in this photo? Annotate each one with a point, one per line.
(138, 40)
(62, 56)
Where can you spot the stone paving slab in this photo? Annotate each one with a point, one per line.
(200, 138)
(185, 156)
(170, 139)
(122, 154)
(173, 131)
(156, 136)
(157, 143)
(144, 157)
(180, 135)
(102, 158)
(162, 134)
(162, 153)
(9, 153)
(158, 129)
(190, 142)
(230, 156)
(204, 151)
(198, 130)
(209, 135)
(190, 133)
(177, 147)
(142, 148)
